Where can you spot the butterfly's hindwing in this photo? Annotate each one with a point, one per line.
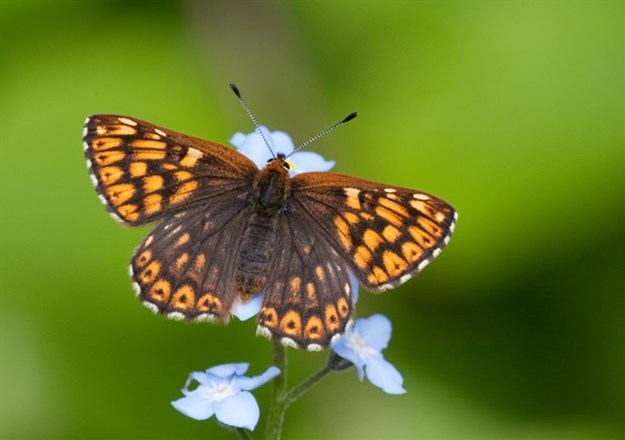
(185, 268)
(308, 296)
(142, 171)
(387, 233)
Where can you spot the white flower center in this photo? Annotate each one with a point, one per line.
(219, 391)
(359, 345)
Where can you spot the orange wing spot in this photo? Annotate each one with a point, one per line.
(120, 193)
(394, 264)
(399, 209)
(268, 317)
(362, 257)
(108, 157)
(143, 259)
(169, 166)
(150, 273)
(314, 329)
(153, 203)
(115, 130)
(440, 216)
(419, 205)
(199, 263)
(391, 233)
(184, 238)
(153, 183)
(182, 175)
(190, 159)
(306, 249)
(377, 276)
(183, 192)
(430, 226)
(138, 169)
(291, 323)
(331, 318)
(210, 304)
(182, 260)
(372, 239)
(106, 143)
(149, 155)
(366, 216)
(149, 144)
(110, 174)
(321, 275)
(389, 215)
(128, 212)
(160, 291)
(343, 307)
(310, 292)
(343, 232)
(352, 198)
(295, 285)
(422, 239)
(152, 136)
(411, 251)
(352, 218)
(184, 298)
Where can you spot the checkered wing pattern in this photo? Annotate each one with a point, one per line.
(387, 234)
(142, 172)
(308, 297)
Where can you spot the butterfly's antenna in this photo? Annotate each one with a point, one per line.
(326, 131)
(235, 89)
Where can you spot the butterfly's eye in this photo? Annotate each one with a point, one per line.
(286, 164)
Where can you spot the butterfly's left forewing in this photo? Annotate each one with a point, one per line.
(143, 172)
(387, 234)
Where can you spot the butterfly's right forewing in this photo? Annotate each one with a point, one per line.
(387, 234)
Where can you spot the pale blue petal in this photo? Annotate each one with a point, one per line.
(195, 406)
(353, 282)
(249, 383)
(238, 139)
(305, 161)
(245, 311)
(227, 370)
(240, 410)
(384, 375)
(343, 349)
(199, 376)
(282, 142)
(375, 330)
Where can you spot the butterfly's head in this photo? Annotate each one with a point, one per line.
(283, 162)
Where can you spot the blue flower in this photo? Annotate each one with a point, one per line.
(253, 146)
(223, 391)
(362, 345)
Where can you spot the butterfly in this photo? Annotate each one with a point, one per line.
(226, 230)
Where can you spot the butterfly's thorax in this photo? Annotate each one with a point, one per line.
(270, 191)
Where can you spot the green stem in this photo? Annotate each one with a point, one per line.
(244, 434)
(297, 391)
(275, 417)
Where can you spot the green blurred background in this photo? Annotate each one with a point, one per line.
(512, 111)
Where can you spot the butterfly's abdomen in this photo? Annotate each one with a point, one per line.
(256, 249)
(271, 188)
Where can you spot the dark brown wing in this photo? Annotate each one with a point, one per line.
(387, 234)
(185, 268)
(142, 172)
(309, 294)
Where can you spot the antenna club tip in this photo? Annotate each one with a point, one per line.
(235, 89)
(349, 117)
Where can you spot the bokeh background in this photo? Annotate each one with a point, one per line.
(512, 111)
